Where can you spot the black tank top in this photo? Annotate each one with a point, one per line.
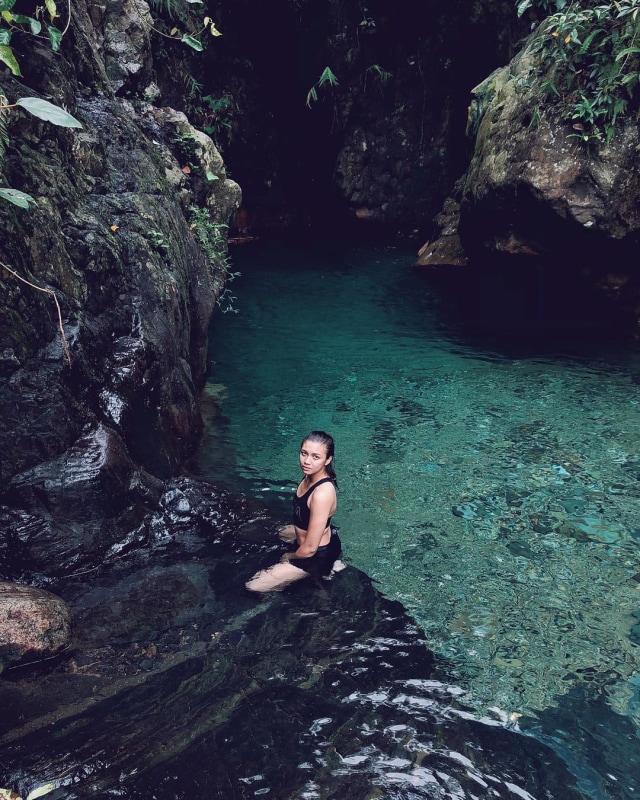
(301, 511)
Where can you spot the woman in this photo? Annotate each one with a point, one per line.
(314, 542)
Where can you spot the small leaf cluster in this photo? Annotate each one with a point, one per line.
(10, 23)
(212, 237)
(327, 77)
(181, 11)
(590, 68)
(214, 115)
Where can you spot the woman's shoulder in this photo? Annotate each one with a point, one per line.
(325, 487)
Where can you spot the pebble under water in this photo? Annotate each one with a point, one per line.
(488, 461)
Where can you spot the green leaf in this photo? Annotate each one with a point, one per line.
(587, 42)
(7, 5)
(55, 37)
(35, 26)
(211, 176)
(17, 198)
(51, 8)
(5, 36)
(328, 76)
(7, 57)
(191, 41)
(45, 110)
(523, 6)
(626, 52)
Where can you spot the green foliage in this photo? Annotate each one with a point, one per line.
(214, 115)
(42, 109)
(194, 87)
(212, 237)
(157, 240)
(177, 15)
(12, 23)
(4, 134)
(590, 53)
(186, 150)
(381, 76)
(327, 76)
(217, 115)
(367, 22)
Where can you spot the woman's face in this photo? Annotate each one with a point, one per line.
(313, 457)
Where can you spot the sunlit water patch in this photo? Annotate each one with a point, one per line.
(492, 489)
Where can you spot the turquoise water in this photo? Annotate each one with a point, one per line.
(489, 483)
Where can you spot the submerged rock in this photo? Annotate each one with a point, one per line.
(34, 624)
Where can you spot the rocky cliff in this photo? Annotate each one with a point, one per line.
(536, 193)
(128, 228)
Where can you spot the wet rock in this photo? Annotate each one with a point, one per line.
(79, 503)
(126, 47)
(34, 624)
(514, 496)
(531, 191)
(521, 550)
(136, 278)
(445, 247)
(336, 685)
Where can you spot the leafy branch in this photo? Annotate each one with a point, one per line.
(192, 39)
(11, 23)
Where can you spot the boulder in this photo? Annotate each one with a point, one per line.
(534, 188)
(445, 247)
(34, 624)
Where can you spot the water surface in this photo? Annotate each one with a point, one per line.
(489, 473)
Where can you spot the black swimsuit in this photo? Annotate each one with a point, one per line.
(320, 563)
(301, 511)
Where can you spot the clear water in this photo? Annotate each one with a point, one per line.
(490, 484)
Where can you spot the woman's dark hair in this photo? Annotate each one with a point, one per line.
(323, 438)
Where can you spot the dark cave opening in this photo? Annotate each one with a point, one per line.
(403, 86)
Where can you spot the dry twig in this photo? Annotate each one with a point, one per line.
(65, 346)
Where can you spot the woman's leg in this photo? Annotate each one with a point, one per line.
(276, 577)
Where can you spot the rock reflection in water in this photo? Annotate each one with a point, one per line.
(182, 685)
